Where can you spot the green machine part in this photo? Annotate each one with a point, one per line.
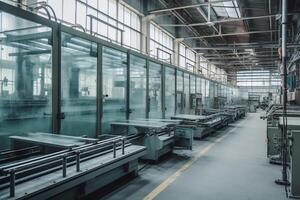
(294, 169)
(184, 136)
(273, 140)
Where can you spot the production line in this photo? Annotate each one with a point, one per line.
(204, 124)
(160, 136)
(75, 168)
(133, 100)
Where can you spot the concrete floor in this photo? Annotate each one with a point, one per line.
(236, 168)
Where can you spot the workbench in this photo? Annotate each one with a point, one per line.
(158, 135)
(204, 124)
(48, 142)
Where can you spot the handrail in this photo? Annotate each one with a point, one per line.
(63, 155)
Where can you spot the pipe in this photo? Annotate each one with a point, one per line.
(284, 66)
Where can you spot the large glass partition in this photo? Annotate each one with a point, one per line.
(193, 84)
(169, 92)
(114, 77)
(155, 90)
(198, 85)
(211, 94)
(137, 87)
(186, 93)
(206, 96)
(25, 78)
(78, 86)
(179, 93)
(203, 87)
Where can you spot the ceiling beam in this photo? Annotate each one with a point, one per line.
(273, 46)
(230, 34)
(243, 57)
(239, 53)
(158, 11)
(220, 21)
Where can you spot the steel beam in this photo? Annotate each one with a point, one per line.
(219, 21)
(231, 34)
(246, 47)
(158, 11)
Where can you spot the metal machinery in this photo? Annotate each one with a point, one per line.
(219, 102)
(273, 114)
(204, 124)
(237, 111)
(196, 105)
(253, 102)
(293, 169)
(158, 135)
(64, 167)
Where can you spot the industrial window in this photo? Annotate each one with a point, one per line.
(111, 21)
(161, 44)
(187, 58)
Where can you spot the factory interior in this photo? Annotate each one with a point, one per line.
(149, 99)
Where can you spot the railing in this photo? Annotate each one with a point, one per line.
(73, 154)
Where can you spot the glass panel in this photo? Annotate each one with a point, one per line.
(207, 84)
(203, 91)
(211, 94)
(186, 93)
(169, 92)
(25, 78)
(193, 84)
(198, 85)
(137, 87)
(155, 90)
(179, 93)
(78, 86)
(114, 87)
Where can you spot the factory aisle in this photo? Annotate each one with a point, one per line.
(233, 165)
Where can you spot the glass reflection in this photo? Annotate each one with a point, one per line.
(169, 92)
(155, 92)
(78, 86)
(186, 93)
(137, 87)
(114, 87)
(179, 93)
(25, 78)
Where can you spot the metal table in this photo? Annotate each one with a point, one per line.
(142, 126)
(50, 140)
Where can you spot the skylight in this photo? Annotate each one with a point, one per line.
(227, 9)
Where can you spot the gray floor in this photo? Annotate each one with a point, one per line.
(235, 168)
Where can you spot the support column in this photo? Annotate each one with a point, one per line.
(175, 57)
(145, 40)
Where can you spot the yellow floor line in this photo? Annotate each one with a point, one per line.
(174, 176)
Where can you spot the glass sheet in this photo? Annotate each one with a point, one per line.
(25, 78)
(155, 90)
(114, 87)
(169, 92)
(186, 93)
(179, 93)
(78, 86)
(137, 87)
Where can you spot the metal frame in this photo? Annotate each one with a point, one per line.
(57, 29)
